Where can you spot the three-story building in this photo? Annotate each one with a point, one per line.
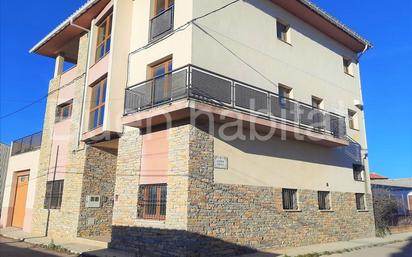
(190, 126)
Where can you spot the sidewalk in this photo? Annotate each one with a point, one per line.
(333, 247)
(99, 249)
(76, 246)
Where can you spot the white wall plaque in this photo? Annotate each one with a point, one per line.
(221, 162)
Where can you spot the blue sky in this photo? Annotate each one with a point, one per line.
(386, 71)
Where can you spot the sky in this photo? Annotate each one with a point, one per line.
(386, 71)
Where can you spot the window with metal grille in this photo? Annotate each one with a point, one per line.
(64, 111)
(360, 201)
(324, 200)
(54, 194)
(358, 172)
(290, 199)
(104, 37)
(153, 202)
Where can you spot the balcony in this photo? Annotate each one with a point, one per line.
(192, 87)
(26, 144)
(162, 23)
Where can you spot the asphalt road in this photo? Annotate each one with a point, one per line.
(15, 248)
(403, 249)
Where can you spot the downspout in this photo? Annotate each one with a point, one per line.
(86, 79)
(363, 52)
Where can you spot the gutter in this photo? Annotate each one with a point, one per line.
(64, 24)
(336, 22)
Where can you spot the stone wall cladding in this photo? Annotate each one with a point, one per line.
(127, 178)
(254, 217)
(98, 179)
(231, 219)
(39, 215)
(62, 222)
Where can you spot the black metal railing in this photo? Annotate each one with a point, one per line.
(26, 144)
(162, 23)
(193, 82)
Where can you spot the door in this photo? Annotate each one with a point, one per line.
(20, 201)
(410, 202)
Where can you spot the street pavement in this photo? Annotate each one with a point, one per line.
(16, 248)
(403, 249)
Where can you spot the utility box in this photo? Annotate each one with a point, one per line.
(93, 201)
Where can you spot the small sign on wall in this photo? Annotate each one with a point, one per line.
(221, 162)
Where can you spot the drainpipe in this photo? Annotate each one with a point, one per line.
(78, 26)
(364, 50)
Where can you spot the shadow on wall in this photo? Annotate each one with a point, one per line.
(290, 149)
(139, 241)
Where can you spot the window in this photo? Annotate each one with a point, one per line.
(358, 172)
(282, 31)
(162, 19)
(98, 100)
(290, 199)
(324, 200)
(163, 80)
(161, 5)
(353, 119)
(54, 194)
(64, 111)
(347, 66)
(104, 32)
(153, 201)
(360, 202)
(284, 93)
(317, 102)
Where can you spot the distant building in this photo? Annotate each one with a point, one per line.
(4, 160)
(376, 176)
(20, 182)
(400, 189)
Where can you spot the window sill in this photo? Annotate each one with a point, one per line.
(284, 41)
(60, 121)
(98, 60)
(326, 211)
(149, 222)
(347, 73)
(359, 180)
(363, 210)
(292, 210)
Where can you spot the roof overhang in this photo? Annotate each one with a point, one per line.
(63, 38)
(324, 22)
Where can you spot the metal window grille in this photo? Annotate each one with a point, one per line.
(324, 200)
(54, 194)
(153, 202)
(360, 201)
(290, 199)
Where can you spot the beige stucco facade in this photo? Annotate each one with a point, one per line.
(205, 203)
(26, 163)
